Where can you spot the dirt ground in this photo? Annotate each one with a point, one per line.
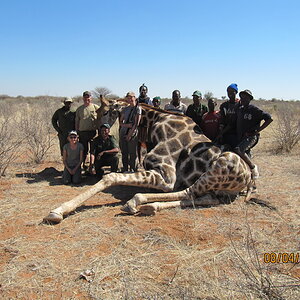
(203, 253)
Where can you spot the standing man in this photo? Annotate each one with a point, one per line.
(211, 121)
(248, 121)
(104, 150)
(156, 101)
(228, 109)
(196, 110)
(63, 121)
(143, 98)
(86, 122)
(176, 105)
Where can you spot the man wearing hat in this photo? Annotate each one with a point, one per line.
(196, 110)
(104, 150)
(86, 122)
(228, 109)
(156, 101)
(248, 125)
(63, 121)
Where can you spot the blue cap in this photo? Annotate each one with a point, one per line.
(233, 86)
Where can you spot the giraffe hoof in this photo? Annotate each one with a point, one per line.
(148, 210)
(53, 218)
(128, 209)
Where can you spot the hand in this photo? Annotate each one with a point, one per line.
(92, 170)
(218, 139)
(251, 133)
(72, 171)
(99, 155)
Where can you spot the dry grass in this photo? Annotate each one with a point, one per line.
(210, 253)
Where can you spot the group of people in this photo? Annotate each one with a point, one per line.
(236, 125)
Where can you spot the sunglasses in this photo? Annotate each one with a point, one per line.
(73, 137)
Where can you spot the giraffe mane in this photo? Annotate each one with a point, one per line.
(150, 107)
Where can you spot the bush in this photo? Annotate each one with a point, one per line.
(10, 139)
(287, 131)
(38, 132)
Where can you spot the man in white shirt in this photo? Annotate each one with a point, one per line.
(176, 105)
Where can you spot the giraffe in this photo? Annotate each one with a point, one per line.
(183, 164)
(109, 111)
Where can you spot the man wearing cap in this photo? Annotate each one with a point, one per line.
(104, 150)
(196, 110)
(248, 120)
(86, 122)
(63, 121)
(156, 101)
(176, 105)
(228, 109)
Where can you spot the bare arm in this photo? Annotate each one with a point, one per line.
(265, 124)
(65, 155)
(54, 122)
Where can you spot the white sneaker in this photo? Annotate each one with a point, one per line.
(254, 172)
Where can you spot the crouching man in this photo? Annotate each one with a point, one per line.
(104, 150)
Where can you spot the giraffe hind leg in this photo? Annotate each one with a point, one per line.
(205, 200)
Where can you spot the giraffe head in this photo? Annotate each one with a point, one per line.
(110, 110)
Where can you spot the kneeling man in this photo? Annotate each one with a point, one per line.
(104, 150)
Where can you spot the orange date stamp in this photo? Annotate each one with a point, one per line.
(285, 258)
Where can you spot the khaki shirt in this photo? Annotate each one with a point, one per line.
(86, 117)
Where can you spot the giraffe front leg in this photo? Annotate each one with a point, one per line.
(148, 179)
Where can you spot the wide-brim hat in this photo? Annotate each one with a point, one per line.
(68, 99)
(247, 92)
(130, 94)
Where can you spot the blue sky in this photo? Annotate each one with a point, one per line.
(62, 48)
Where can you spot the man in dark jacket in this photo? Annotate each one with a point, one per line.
(248, 119)
(228, 109)
(63, 120)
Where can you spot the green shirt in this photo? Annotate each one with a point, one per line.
(99, 144)
(86, 117)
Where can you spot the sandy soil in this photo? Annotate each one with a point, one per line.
(204, 253)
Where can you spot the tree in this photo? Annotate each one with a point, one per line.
(208, 95)
(101, 90)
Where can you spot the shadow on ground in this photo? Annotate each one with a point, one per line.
(54, 177)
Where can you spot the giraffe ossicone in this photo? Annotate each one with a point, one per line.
(184, 164)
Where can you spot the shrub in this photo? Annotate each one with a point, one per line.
(38, 132)
(10, 139)
(287, 131)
